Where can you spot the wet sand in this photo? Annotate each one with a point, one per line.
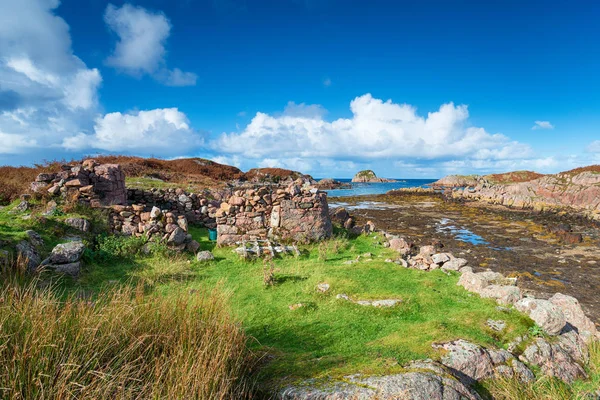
(515, 243)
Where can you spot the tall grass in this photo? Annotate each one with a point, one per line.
(123, 345)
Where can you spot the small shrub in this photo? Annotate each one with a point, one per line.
(114, 246)
(536, 331)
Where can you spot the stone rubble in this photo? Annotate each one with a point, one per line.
(90, 182)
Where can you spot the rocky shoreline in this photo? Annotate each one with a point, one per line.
(561, 352)
(576, 192)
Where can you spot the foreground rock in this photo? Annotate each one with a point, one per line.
(424, 380)
(66, 258)
(368, 176)
(544, 313)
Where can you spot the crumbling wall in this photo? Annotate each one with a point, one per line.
(97, 185)
(292, 214)
(197, 207)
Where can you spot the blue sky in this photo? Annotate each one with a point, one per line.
(410, 89)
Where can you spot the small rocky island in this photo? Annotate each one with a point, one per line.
(368, 176)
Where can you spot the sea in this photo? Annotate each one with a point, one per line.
(359, 189)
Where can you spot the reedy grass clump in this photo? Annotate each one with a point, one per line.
(123, 345)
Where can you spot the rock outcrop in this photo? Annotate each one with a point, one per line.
(423, 380)
(577, 192)
(368, 176)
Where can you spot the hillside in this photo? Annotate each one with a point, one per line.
(189, 173)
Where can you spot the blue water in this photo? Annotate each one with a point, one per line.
(359, 189)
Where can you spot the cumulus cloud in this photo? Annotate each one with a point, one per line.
(594, 147)
(160, 131)
(45, 90)
(377, 129)
(542, 125)
(141, 45)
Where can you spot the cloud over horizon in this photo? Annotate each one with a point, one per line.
(377, 130)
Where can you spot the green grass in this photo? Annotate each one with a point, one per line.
(325, 337)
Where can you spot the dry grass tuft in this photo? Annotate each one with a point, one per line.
(123, 345)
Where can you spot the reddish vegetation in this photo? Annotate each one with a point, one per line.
(514, 177)
(261, 173)
(15, 180)
(590, 168)
(189, 171)
(173, 170)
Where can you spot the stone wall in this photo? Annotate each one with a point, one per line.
(97, 185)
(292, 214)
(156, 224)
(197, 207)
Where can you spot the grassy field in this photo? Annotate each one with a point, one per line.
(326, 336)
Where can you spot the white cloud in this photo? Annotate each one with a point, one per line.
(46, 92)
(140, 49)
(594, 147)
(15, 143)
(160, 131)
(177, 77)
(376, 130)
(327, 82)
(542, 125)
(236, 161)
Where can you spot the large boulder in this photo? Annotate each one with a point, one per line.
(424, 380)
(471, 363)
(204, 256)
(548, 316)
(574, 315)
(553, 360)
(65, 253)
(177, 237)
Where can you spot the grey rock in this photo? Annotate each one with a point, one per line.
(81, 224)
(440, 258)
(454, 264)
(503, 294)
(496, 325)
(71, 269)
(177, 237)
(205, 256)
(155, 213)
(544, 313)
(35, 239)
(22, 206)
(386, 303)
(423, 381)
(65, 253)
(323, 287)
(29, 253)
(471, 361)
(192, 246)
